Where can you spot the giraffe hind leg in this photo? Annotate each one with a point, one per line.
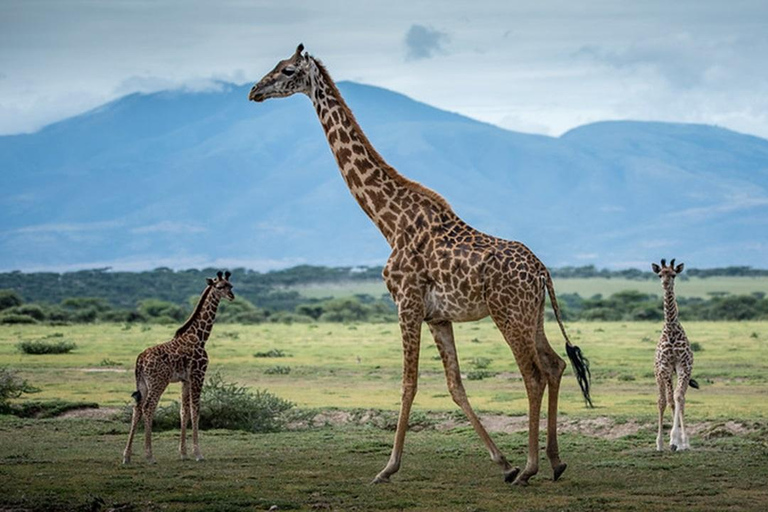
(554, 367)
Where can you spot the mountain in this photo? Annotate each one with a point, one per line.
(189, 179)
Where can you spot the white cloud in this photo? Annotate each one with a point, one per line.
(168, 227)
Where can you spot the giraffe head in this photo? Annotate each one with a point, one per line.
(289, 77)
(667, 273)
(221, 286)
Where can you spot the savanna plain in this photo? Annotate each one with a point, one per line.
(344, 380)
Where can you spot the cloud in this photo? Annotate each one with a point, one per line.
(424, 42)
(168, 227)
(70, 227)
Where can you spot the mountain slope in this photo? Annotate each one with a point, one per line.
(186, 179)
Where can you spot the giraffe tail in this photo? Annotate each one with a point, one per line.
(693, 383)
(578, 361)
(136, 395)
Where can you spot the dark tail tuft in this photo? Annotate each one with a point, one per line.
(581, 367)
(136, 396)
(693, 384)
(579, 362)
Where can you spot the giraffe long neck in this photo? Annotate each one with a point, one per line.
(670, 303)
(200, 322)
(379, 189)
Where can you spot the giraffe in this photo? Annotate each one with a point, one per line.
(184, 359)
(673, 355)
(440, 271)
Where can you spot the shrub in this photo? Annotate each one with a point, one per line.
(12, 318)
(696, 346)
(227, 405)
(481, 363)
(275, 352)
(31, 310)
(46, 347)
(13, 386)
(9, 299)
(480, 374)
(278, 370)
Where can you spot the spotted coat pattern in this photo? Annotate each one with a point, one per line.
(440, 270)
(182, 359)
(673, 356)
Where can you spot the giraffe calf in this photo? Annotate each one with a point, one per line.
(182, 359)
(673, 356)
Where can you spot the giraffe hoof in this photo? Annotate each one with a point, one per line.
(509, 476)
(380, 480)
(673, 447)
(559, 470)
(521, 482)
(126, 460)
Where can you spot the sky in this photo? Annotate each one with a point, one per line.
(533, 66)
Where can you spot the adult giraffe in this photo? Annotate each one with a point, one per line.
(441, 271)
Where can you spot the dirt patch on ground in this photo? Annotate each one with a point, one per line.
(99, 370)
(602, 427)
(102, 413)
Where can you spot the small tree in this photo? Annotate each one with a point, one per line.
(9, 299)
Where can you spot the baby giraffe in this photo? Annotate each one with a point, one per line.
(182, 359)
(673, 355)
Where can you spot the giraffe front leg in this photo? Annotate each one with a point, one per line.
(410, 326)
(185, 416)
(195, 390)
(446, 345)
(662, 403)
(681, 441)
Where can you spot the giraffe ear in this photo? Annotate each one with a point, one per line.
(679, 268)
(209, 281)
(656, 269)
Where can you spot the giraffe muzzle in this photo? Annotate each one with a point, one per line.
(255, 96)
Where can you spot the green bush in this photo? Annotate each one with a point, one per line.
(9, 299)
(38, 347)
(227, 405)
(480, 374)
(162, 311)
(275, 352)
(278, 370)
(12, 386)
(11, 318)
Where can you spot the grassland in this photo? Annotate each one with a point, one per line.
(74, 463)
(586, 287)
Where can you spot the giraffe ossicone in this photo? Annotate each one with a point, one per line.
(441, 271)
(182, 359)
(673, 356)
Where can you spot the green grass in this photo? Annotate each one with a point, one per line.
(586, 287)
(65, 464)
(359, 366)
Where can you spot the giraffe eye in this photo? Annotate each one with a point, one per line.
(289, 71)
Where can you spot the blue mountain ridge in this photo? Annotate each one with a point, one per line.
(189, 179)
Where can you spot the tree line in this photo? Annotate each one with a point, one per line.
(167, 296)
